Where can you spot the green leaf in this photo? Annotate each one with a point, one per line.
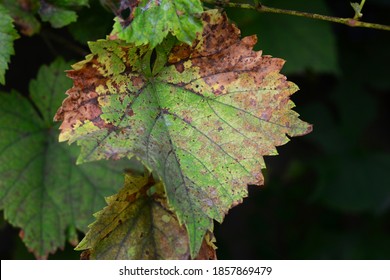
(42, 191)
(153, 20)
(46, 94)
(7, 36)
(58, 17)
(356, 7)
(203, 122)
(23, 14)
(136, 224)
(59, 12)
(69, 3)
(305, 44)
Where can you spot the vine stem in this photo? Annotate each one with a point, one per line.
(264, 9)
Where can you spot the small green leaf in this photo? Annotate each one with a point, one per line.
(59, 12)
(136, 225)
(153, 20)
(42, 191)
(7, 36)
(58, 17)
(358, 9)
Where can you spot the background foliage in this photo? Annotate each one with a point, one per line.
(328, 195)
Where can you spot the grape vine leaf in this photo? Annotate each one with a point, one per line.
(42, 191)
(60, 12)
(7, 36)
(201, 117)
(137, 224)
(151, 21)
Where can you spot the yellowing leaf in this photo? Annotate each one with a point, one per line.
(201, 117)
(137, 224)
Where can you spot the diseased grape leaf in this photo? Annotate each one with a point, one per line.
(60, 12)
(152, 20)
(42, 191)
(137, 224)
(7, 36)
(202, 120)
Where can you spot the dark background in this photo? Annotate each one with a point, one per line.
(327, 194)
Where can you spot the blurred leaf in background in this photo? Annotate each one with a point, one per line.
(23, 14)
(7, 36)
(60, 12)
(43, 191)
(305, 44)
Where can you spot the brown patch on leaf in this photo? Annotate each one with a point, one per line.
(208, 249)
(21, 234)
(131, 197)
(82, 101)
(215, 37)
(130, 112)
(179, 53)
(85, 255)
(137, 81)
